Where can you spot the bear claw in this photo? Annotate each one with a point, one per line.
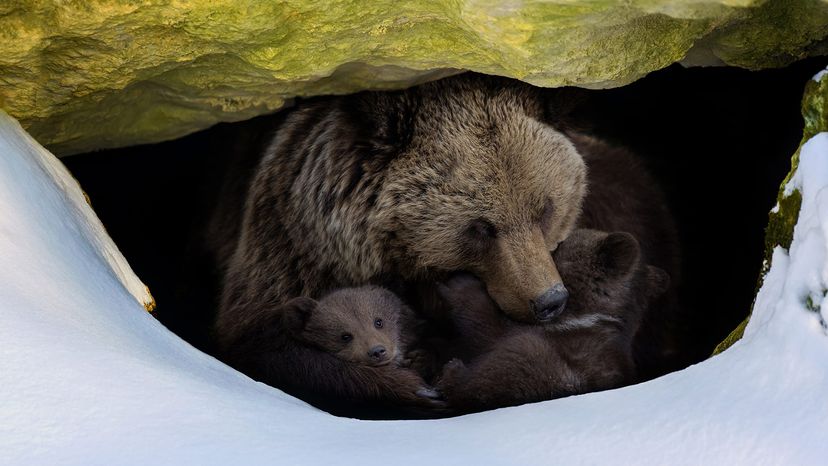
(430, 393)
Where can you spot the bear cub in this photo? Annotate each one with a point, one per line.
(357, 325)
(586, 348)
(345, 353)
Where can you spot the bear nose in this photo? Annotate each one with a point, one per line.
(377, 352)
(551, 303)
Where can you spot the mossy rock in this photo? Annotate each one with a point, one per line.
(98, 74)
(782, 220)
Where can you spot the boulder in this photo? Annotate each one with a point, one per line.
(89, 75)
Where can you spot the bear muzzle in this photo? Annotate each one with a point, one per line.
(378, 355)
(551, 303)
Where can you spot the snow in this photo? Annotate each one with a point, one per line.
(88, 377)
(817, 77)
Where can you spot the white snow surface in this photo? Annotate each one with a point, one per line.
(87, 376)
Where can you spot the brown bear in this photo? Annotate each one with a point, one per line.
(457, 174)
(346, 352)
(586, 348)
(622, 196)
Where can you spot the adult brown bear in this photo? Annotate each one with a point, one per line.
(458, 174)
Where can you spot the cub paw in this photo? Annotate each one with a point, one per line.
(418, 360)
(430, 393)
(453, 372)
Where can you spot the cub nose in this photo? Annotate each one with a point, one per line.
(377, 353)
(551, 303)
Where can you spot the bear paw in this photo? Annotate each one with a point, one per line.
(430, 393)
(453, 373)
(419, 360)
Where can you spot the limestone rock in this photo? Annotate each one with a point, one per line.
(783, 218)
(98, 74)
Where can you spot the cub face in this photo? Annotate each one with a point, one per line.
(604, 274)
(358, 325)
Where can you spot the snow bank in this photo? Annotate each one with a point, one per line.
(88, 377)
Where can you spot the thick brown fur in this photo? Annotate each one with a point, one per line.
(299, 347)
(622, 196)
(587, 348)
(360, 325)
(458, 174)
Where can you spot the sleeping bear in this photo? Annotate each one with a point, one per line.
(398, 186)
(404, 187)
(623, 196)
(587, 348)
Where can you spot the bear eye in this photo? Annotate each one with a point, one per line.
(481, 228)
(346, 337)
(378, 323)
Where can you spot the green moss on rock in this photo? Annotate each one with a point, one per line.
(97, 74)
(779, 231)
(782, 220)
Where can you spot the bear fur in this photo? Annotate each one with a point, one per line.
(381, 187)
(358, 325)
(622, 196)
(345, 352)
(587, 348)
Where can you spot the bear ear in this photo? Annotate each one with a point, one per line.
(297, 312)
(618, 254)
(658, 281)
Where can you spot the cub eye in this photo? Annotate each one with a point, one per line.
(482, 229)
(346, 337)
(378, 323)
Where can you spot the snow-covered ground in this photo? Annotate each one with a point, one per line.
(87, 376)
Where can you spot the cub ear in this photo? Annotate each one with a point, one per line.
(658, 281)
(297, 312)
(618, 254)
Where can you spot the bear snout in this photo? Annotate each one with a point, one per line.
(378, 354)
(551, 303)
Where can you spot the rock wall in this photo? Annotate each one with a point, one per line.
(784, 217)
(89, 75)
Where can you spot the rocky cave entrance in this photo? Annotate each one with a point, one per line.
(719, 140)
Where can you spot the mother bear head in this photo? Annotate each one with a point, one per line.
(479, 182)
(457, 174)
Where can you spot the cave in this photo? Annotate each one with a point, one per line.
(117, 121)
(718, 140)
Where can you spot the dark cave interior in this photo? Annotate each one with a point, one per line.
(719, 140)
